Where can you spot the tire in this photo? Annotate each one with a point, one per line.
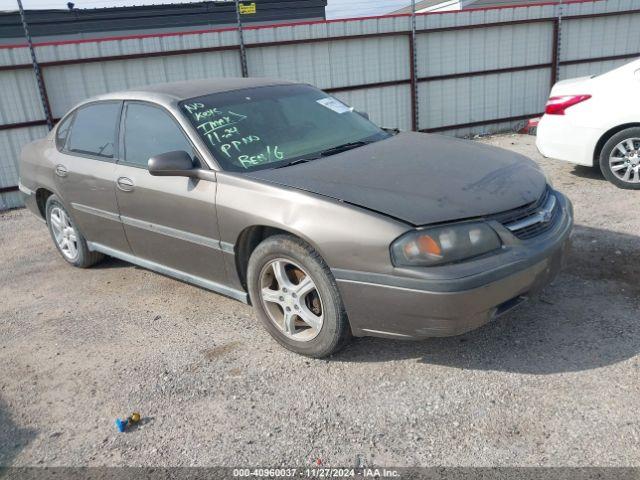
(610, 148)
(322, 301)
(78, 254)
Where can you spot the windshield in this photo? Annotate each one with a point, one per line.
(267, 127)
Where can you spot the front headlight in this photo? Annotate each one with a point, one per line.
(446, 244)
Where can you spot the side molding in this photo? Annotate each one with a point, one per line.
(227, 247)
(156, 228)
(171, 272)
(172, 232)
(97, 212)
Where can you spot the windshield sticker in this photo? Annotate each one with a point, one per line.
(334, 104)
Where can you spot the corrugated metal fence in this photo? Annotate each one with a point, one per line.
(477, 71)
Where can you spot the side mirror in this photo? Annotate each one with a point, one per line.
(172, 164)
(363, 114)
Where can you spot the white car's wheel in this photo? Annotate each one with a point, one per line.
(620, 159)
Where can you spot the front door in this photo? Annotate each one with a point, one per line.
(170, 221)
(85, 169)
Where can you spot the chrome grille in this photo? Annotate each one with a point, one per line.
(533, 219)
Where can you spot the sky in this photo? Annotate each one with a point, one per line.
(335, 8)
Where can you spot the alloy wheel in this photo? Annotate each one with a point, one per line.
(624, 160)
(64, 233)
(291, 299)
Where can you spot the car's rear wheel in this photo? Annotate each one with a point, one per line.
(66, 236)
(620, 159)
(296, 297)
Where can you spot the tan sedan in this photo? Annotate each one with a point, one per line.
(282, 196)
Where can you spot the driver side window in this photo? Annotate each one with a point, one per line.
(150, 131)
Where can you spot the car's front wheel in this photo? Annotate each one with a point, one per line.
(66, 236)
(620, 159)
(296, 297)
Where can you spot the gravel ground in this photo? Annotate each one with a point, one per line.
(555, 383)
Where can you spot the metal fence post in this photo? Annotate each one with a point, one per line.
(557, 43)
(36, 69)
(243, 53)
(415, 114)
(554, 53)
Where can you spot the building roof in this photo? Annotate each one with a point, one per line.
(473, 4)
(507, 3)
(420, 6)
(153, 18)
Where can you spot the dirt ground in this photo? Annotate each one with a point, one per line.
(554, 383)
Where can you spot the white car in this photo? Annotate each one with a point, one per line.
(596, 121)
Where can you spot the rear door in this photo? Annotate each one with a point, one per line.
(85, 169)
(170, 221)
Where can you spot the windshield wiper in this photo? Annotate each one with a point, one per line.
(392, 131)
(343, 148)
(325, 153)
(299, 160)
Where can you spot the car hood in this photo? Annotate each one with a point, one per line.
(419, 178)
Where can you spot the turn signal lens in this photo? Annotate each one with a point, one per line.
(557, 105)
(447, 244)
(429, 246)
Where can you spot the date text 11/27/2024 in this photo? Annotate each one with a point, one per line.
(316, 472)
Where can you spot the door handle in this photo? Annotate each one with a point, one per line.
(125, 184)
(61, 170)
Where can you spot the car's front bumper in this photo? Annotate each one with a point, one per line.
(401, 307)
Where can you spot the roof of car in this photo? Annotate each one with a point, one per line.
(192, 88)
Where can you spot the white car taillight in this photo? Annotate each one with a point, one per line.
(557, 105)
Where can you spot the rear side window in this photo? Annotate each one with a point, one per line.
(63, 132)
(94, 130)
(150, 131)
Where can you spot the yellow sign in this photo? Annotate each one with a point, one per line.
(247, 8)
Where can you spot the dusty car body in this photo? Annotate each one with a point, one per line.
(348, 209)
